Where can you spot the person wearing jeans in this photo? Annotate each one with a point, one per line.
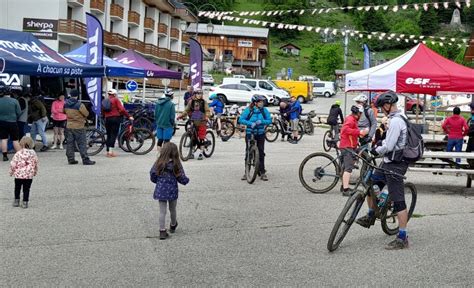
(39, 120)
(456, 128)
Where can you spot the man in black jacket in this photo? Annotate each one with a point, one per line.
(334, 113)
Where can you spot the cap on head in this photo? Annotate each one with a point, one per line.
(456, 111)
(74, 93)
(112, 92)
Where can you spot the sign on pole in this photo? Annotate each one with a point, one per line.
(131, 85)
(290, 72)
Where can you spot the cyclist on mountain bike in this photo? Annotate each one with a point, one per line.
(256, 117)
(294, 115)
(367, 120)
(392, 150)
(334, 113)
(350, 134)
(217, 106)
(198, 111)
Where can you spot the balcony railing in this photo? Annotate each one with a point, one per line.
(164, 53)
(116, 12)
(162, 29)
(115, 39)
(76, 3)
(133, 18)
(174, 33)
(72, 27)
(149, 24)
(98, 6)
(136, 45)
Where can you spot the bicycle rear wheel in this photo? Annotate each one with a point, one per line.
(186, 146)
(300, 131)
(227, 130)
(143, 122)
(319, 172)
(271, 132)
(251, 164)
(122, 141)
(389, 218)
(345, 221)
(209, 144)
(95, 141)
(141, 141)
(327, 136)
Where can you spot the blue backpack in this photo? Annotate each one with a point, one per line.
(106, 104)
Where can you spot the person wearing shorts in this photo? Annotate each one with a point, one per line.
(217, 106)
(59, 121)
(9, 113)
(350, 134)
(294, 116)
(165, 112)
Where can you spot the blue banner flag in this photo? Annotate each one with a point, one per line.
(195, 63)
(366, 56)
(94, 56)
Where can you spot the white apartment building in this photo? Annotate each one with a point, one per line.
(154, 28)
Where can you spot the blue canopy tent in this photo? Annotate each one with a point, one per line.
(113, 68)
(22, 53)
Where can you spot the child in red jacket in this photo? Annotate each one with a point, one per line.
(350, 134)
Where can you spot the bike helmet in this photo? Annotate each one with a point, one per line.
(257, 97)
(360, 98)
(213, 96)
(338, 102)
(388, 97)
(357, 109)
(198, 91)
(4, 89)
(168, 93)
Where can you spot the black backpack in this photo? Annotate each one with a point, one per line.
(415, 146)
(106, 105)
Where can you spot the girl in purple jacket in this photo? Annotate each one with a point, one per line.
(167, 172)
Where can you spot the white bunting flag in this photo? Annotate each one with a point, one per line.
(446, 5)
(395, 8)
(436, 5)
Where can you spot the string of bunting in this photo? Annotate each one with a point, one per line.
(313, 11)
(436, 40)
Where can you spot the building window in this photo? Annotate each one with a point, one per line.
(69, 13)
(212, 51)
(111, 27)
(249, 54)
(230, 39)
(128, 33)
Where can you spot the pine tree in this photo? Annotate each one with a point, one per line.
(429, 23)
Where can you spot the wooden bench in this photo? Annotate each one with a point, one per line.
(438, 162)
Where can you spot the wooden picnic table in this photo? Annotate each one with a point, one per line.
(438, 162)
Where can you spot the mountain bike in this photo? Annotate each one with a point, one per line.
(227, 127)
(319, 172)
(252, 160)
(329, 141)
(280, 125)
(189, 143)
(307, 119)
(385, 214)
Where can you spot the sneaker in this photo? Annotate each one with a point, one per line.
(191, 156)
(5, 158)
(347, 193)
(44, 148)
(88, 162)
(397, 244)
(264, 177)
(54, 146)
(16, 203)
(25, 204)
(61, 146)
(244, 178)
(366, 221)
(173, 227)
(163, 235)
(294, 142)
(200, 157)
(73, 162)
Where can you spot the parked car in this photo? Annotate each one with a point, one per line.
(241, 93)
(207, 79)
(265, 87)
(412, 104)
(324, 88)
(302, 90)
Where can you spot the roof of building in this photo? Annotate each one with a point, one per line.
(229, 30)
(290, 45)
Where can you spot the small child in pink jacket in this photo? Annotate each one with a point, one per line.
(24, 167)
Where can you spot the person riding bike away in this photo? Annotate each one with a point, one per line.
(334, 113)
(256, 117)
(350, 134)
(294, 115)
(198, 111)
(367, 120)
(392, 150)
(217, 106)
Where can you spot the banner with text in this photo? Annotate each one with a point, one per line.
(95, 46)
(195, 64)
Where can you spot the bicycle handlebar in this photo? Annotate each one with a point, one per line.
(375, 167)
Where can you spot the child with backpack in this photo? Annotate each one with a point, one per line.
(167, 172)
(217, 106)
(24, 166)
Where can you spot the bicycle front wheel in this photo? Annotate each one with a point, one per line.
(389, 218)
(228, 130)
(251, 165)
(319, 172)
(345, 221)
(272, 132)
(327, 136)
(95, 141)
(141, 141)
(186, 146)
(209, 144)
(122, 141)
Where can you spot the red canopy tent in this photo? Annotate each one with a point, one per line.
(420, 70)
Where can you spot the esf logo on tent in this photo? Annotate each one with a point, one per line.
(417, 81)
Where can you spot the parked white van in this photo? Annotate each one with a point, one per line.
(324, 88)
(266, 87)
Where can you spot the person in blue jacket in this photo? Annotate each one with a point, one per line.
(218, 108)
(256, 117)
(294, 117)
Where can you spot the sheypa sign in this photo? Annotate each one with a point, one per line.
(41, 28)
(245, 43)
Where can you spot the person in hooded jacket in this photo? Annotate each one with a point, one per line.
(165, 112)
(334, 113)
(218, 108)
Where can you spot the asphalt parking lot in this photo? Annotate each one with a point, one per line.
(96, 226)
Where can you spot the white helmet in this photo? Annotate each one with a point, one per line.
(360, 98)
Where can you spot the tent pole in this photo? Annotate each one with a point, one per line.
(424, 112)
(434, 120)
(143, 94)
(345, 104)
(179, 98)
(417, 107)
